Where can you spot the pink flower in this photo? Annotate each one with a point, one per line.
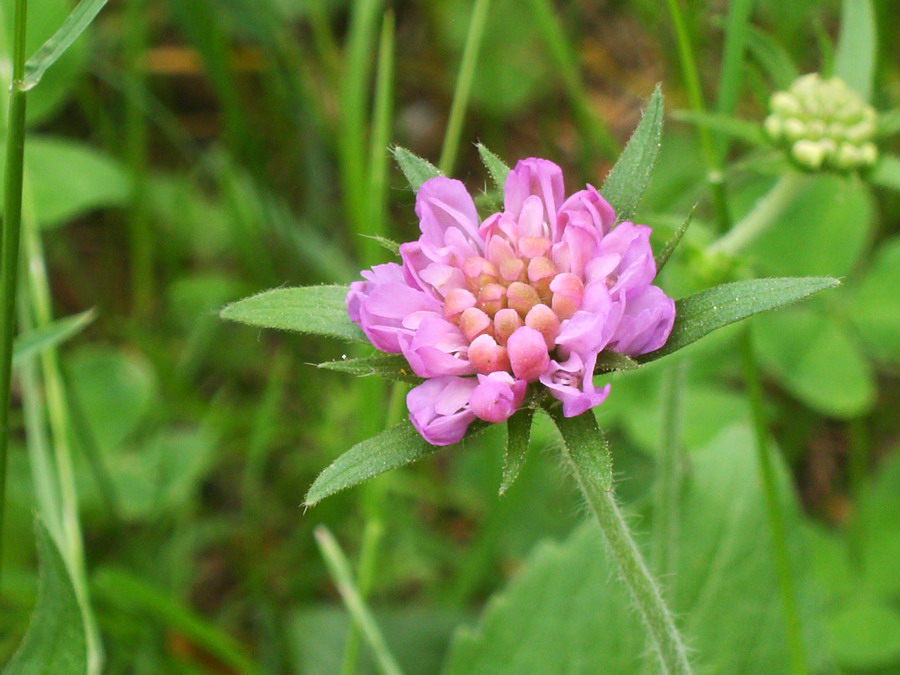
(528, 297)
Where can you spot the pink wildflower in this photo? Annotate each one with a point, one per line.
(528, 297)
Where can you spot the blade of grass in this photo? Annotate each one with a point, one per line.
(715, 176)
(775, 510)
(379, 154)
(463, 86)
(74, 25)
(593, 129)
(12, 229)
(356, 606)
(353, 123)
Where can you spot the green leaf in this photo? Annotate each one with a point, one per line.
(701, 313)
(495, 166)
(886, 172)
(812, 357)
(626, 182)
(567, 612)
(74, 25)
(663, 257)
(384, 242)
(865, 635)
(773, 58)
(36, 341)
(608, 361)
(854, 60)
(392, 448)
(832, 215)
(875, 310)
(518, 435)
(416, 169)
(588, 449)
(56, 641)
(389, 366)
(888, 122)
(68, 178)
(316, 310)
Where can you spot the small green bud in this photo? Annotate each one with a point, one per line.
(823, 124)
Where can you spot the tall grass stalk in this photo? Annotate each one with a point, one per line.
(463, 86)
(715, 176)
(12, 228)
(777, 524)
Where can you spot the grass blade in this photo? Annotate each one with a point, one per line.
(74, 25)
(56, 333)
(854, 60)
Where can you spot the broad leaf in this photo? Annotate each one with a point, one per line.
(854, 60)
(495, 166)
(750, 133)
(886, 172)
(813, 358)
(567, 612)
(701, 313)
(389, 366)
(316, 310)
(875, 309)
(74, 25)
(518, 435)
(56, 641)
(395, 447)
(628, 179)
(416, 169)
(36, 341)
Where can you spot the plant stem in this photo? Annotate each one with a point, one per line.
(463, 86)
(343, 578)
(587, 456)
(12, 228)
(761, 217)
(714, 176)
(774, 508)
(668, 482)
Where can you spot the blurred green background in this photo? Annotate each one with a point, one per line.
(187, 153)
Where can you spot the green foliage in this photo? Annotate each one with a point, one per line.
(416, 169)
(50, 52)
(36, 341)
(750, 133)
(388, 366)
(629, 177)
(495, 166)
(565, 611)
(518, 436)
(857, 46)
(316, 310)
(873, 308)
(56, 641)
(706, 311)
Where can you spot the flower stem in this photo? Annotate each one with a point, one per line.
(463, 86)
(12, 227)
(762, 216)
(774, 507)
(587, 455)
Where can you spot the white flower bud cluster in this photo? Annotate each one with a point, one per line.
(823, 124)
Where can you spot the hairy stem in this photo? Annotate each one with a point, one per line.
(587, 456)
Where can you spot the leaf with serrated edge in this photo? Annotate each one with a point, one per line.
(625, 184)
(316, 310)
(518, 434)
(416, 169)
(56, 641)
(389, 366)
(672, 244)
(395, 447)
(495, 166)
(703, 312)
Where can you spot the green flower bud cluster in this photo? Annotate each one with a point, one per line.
(823, 124)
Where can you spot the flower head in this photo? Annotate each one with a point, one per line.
(530, 296)
(823, 124)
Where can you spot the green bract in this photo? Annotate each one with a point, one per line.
(822, 123)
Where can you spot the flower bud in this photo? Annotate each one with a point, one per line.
(506, 322)
(456, 302)
(545, 322)
(568, 292)
(487, 356)
(473, 322)
(521, 297)
(491, 299)
(528, 355)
